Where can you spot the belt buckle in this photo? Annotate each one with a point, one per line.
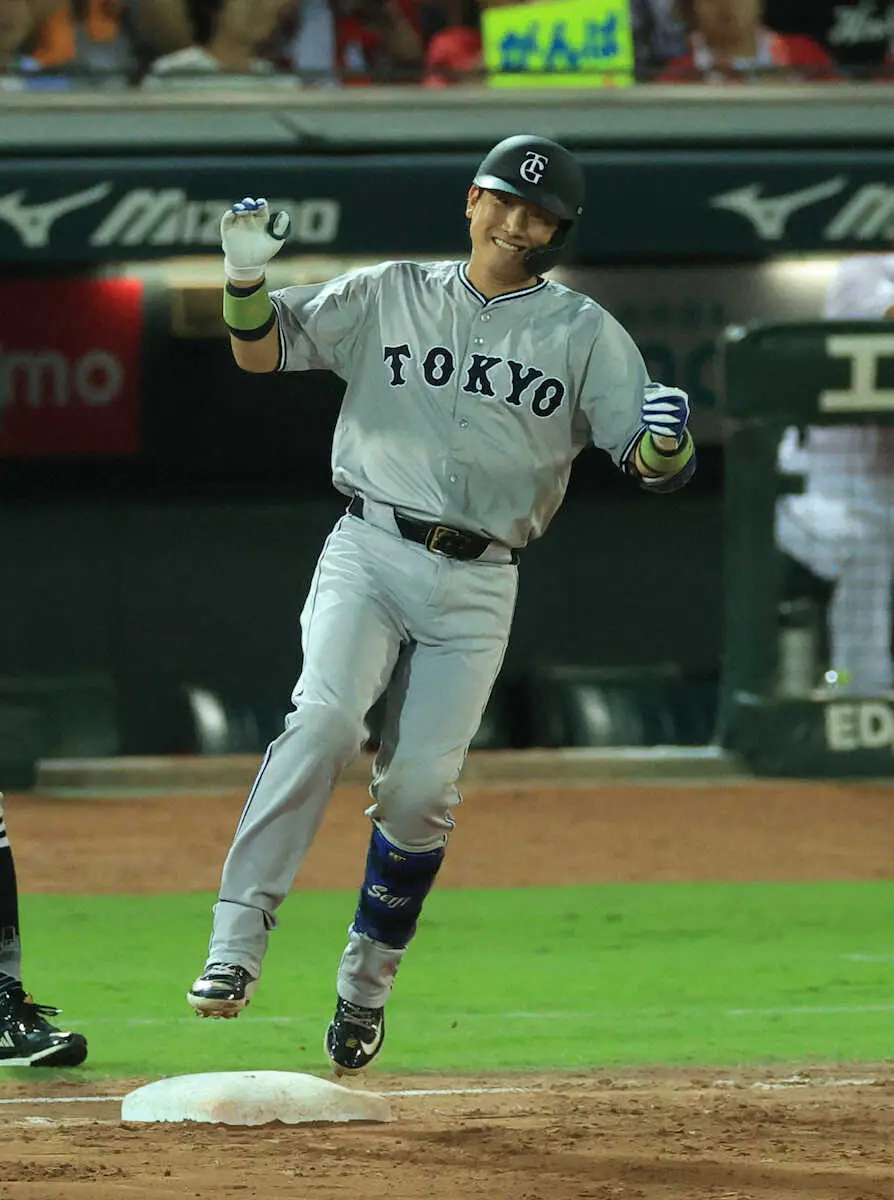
(442, 533)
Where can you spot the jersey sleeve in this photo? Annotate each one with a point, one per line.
(320, 324)
(612, 390)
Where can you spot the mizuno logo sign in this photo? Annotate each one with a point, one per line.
(155, 217)
(865, 216)
(34, 222)
(770, 214)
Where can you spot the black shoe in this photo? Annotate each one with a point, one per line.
(222, 990)
(27, 1039)
(354, 1037)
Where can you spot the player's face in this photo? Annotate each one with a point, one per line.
(503, 227)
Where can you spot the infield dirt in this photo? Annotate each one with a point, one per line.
(799, 1133)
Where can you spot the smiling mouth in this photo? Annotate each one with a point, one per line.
(504, 245)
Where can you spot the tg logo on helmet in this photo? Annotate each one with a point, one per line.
(533, 166)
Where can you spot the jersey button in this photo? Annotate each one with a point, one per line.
(479, 341)
(464, 424)
(485, 316)
(452, 479)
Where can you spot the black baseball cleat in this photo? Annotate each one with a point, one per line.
(222, 990)
(354, 1037)
(27, 1039)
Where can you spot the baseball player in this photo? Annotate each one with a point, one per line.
(842, 525)
(27, 1039)
(471, 387)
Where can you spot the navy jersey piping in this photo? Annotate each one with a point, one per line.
(483, 300)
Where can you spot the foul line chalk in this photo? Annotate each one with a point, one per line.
(819, 1010)
(59, 1099)
(561, 1015)
(482, 1091)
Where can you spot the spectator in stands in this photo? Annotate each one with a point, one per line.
(16, 24)
(729, 43)
(435, 15)
(454, 56)
(455, 53)
(159, 27)
(229, 37)
(659, 35)
(85, 38)
(858, 34)
(356, 41)
(21, 68)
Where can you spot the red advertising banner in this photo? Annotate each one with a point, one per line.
(69, 367)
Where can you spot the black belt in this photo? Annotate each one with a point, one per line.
(440, 539)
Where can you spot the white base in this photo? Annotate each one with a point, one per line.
(252, 1098)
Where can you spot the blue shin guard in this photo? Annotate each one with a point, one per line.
(393, 890)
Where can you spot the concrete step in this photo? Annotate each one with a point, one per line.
(133, 775)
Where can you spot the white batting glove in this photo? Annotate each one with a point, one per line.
(665, 411)
(250, 235)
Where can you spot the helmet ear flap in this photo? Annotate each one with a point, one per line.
(544, 258)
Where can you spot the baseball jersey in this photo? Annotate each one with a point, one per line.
(855, 461)
(458, 408)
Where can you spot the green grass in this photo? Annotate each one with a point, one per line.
(572, 977)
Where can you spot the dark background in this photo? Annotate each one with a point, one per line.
(188, 564)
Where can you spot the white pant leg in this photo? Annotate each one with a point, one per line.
(351, 642)
(433, 710)
(815, 531)
(852, 543)
(860, 615)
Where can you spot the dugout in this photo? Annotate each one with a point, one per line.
(782, 707)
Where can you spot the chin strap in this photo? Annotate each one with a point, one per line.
(545, 257)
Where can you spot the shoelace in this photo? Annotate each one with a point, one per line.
(367, 1018)
(215, 969)
(19, 998)
(42, 1010)
(28, 1012)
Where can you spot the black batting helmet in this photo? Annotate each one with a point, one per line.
(545, 173)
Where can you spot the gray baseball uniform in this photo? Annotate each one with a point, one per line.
(841, 526)
(459, 411)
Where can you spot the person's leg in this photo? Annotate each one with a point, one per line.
(351, 642)
(434, 706)
(850, 543)
(859, 615)
(26, 1036)
(10, 938)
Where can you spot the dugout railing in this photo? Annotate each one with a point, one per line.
(781, 706)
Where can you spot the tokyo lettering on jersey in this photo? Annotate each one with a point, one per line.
(458, 408)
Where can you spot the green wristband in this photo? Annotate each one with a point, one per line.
(666, 464)
(247, 311)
